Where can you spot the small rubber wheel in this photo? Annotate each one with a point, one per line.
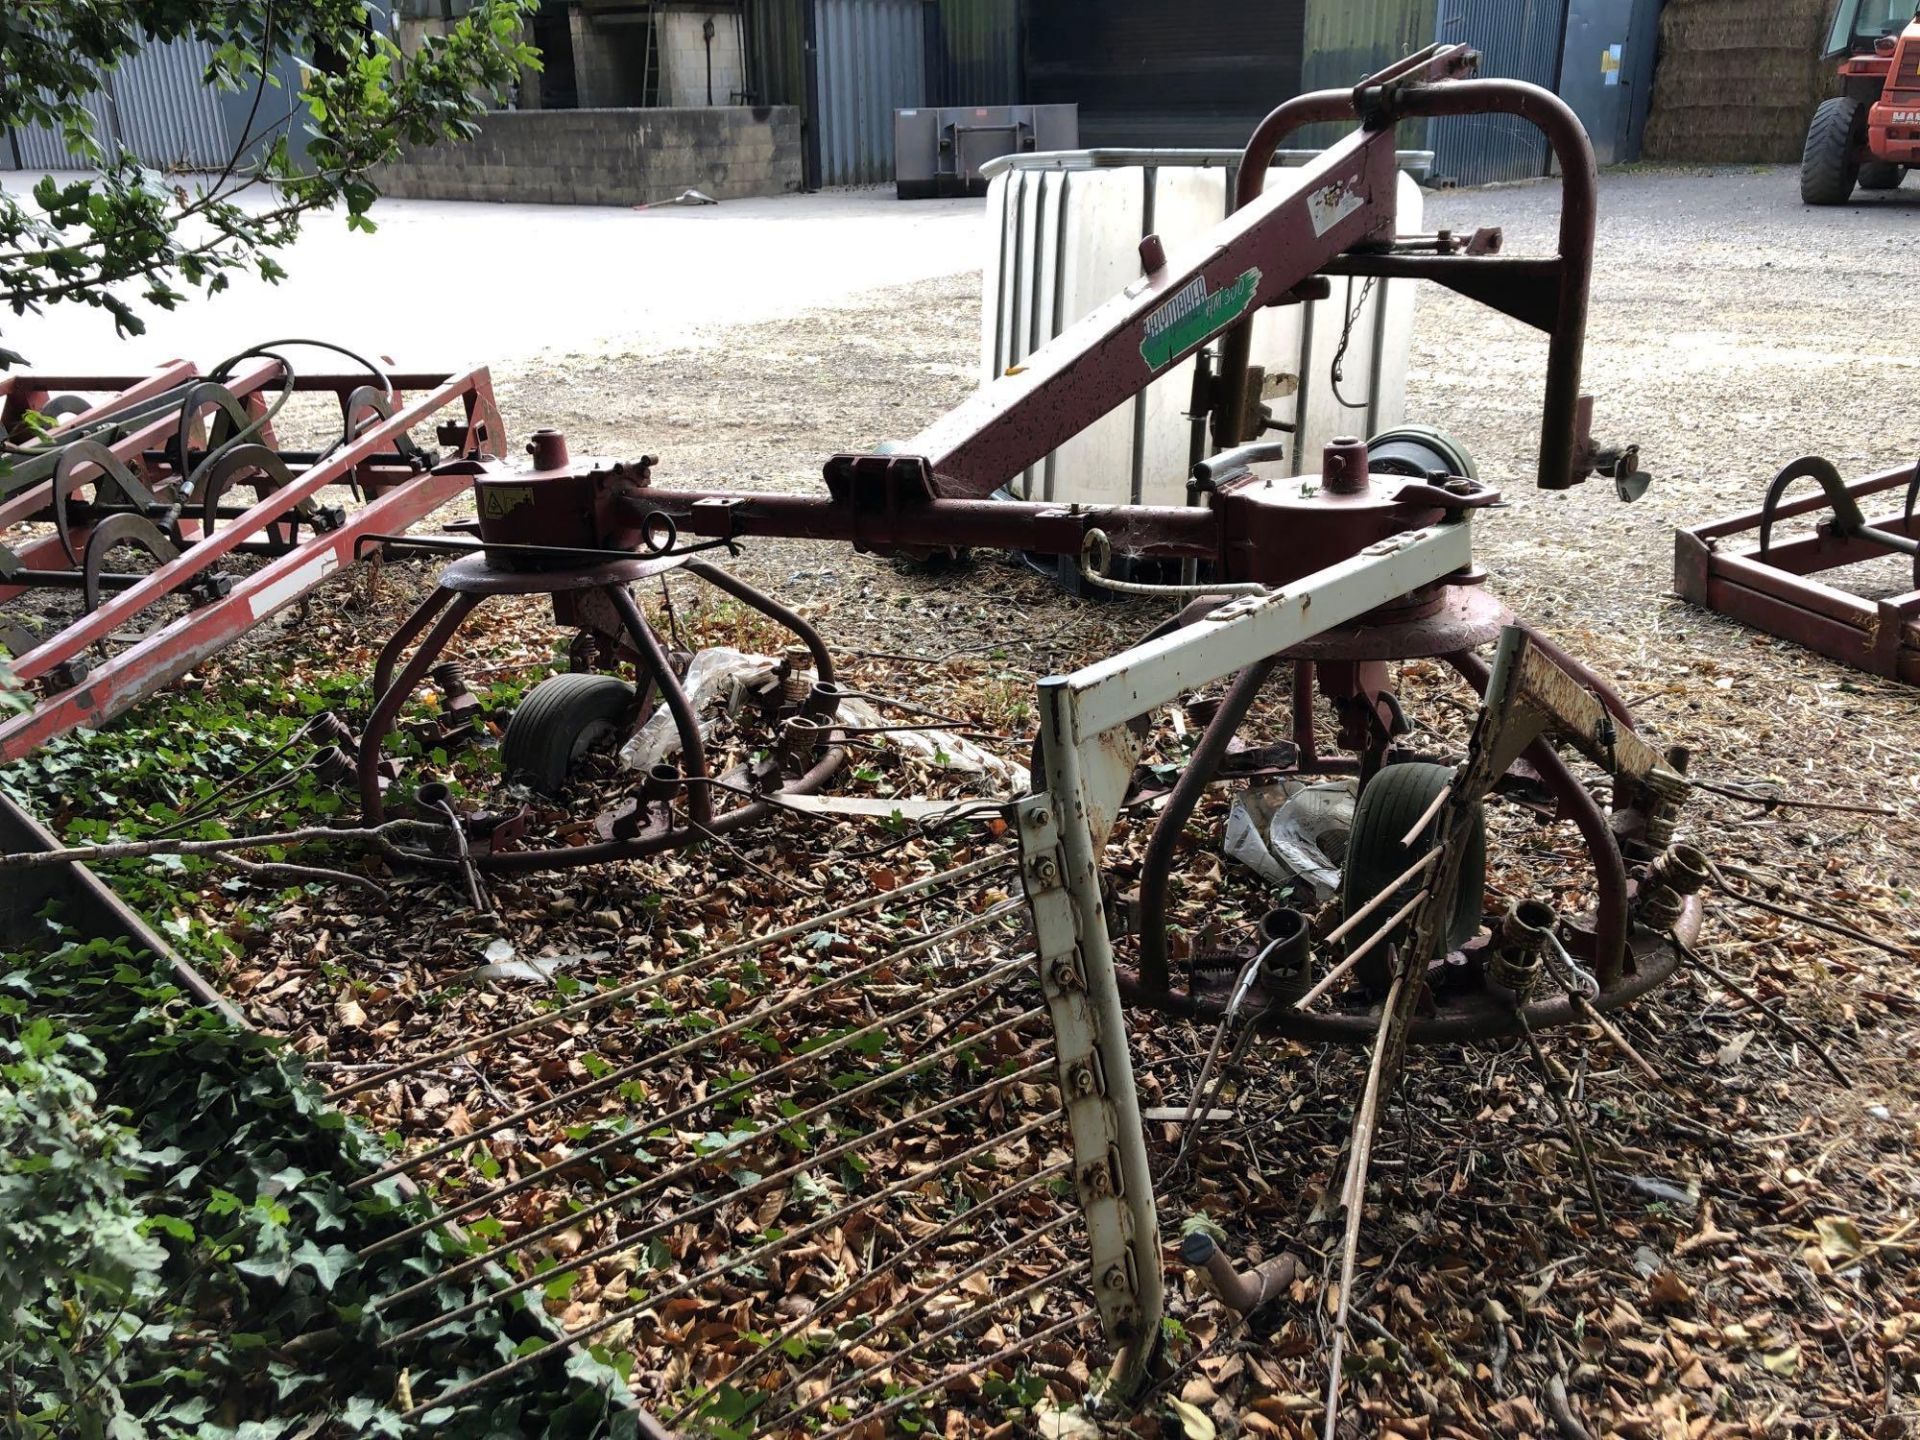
(560, 720)
(1830, 162)
(1388, 807)
(1881, 175)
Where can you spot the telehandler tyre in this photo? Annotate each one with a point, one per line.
(1830, 164)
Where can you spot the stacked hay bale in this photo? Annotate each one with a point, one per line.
(1737, 82)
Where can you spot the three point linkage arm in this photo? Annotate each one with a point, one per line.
(1334, 216)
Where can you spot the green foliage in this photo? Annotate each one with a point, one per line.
(129, 225)
(12, 699)
(75, 1257)
(179, 1251)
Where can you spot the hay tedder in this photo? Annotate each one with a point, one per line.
(1316, 586)
(753, 1185)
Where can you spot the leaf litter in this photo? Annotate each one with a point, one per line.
(1755, 1279)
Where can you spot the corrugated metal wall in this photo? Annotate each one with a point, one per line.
(1517, 39)
(871, 60)
(39, 147)
(158, 105)
(1165, 72)
(168, 115)
(777, 51)
(1349, 39)
(973, 53)
(855, 62)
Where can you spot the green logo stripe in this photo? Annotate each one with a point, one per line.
(1213, 313)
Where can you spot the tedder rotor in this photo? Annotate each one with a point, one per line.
(1318, 587)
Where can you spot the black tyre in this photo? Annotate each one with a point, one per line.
(1389, 806)
(1881, 175)
(560, 720)
(1830, 163)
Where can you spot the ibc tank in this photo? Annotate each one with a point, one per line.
(1064, 233)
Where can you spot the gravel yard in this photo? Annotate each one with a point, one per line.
(1754, 1277)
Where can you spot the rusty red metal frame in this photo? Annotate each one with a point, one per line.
(1548, 293)
(1335, 217)
(70, 689)
(1771, 586)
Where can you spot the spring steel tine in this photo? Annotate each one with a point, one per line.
(673, 1173)
(628, 1242)
(626, 992)
(626, 1072)
(1846, 514)
(900, 1402)
(849, 1289)
(570, 1338)
(617, 1142)
(607, 1322)
(807, 1232)
(920, 1297)
(576, 1262)
(1913, 494)
(972, 1317)
(699, 1042)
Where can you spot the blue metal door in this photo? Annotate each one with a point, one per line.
(1607, 72)
(1517, 40)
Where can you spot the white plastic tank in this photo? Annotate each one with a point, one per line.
(1065, 231)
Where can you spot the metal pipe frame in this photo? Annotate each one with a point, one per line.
(1550, 294)
(442, 614)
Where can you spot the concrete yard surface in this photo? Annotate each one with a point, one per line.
(448, 283)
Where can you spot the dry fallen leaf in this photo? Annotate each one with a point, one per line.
(1667, 1291)
(1068, 1424)
(1193, 1420)
(1840, 1237)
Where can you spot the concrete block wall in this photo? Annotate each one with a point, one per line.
(681, 35)
(609, 157)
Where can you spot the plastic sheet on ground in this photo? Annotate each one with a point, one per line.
(1292, 831)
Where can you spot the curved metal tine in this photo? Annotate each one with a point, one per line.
(1913, 494)
(231, 462)
(363, 397)
(366, 403)
(1847, 518)
(65, 405)
(113, 472)
(199, 395)
(109, 535)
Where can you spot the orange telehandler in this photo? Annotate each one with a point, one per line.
(1869, 134)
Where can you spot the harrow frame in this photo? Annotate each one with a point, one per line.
(152, 418)
(1772, 586)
